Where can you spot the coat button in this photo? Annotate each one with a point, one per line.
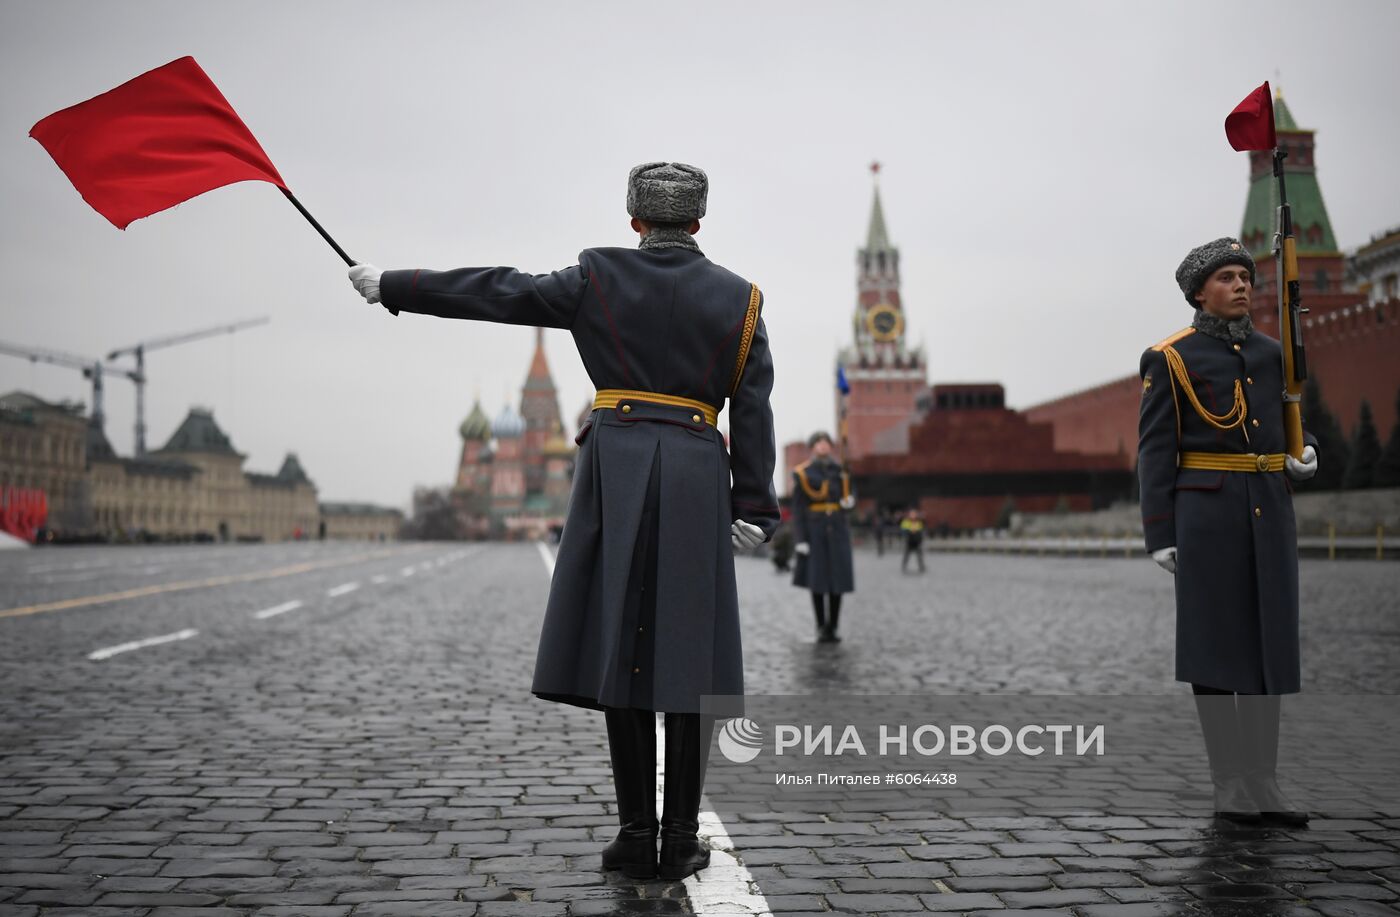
(696, 418)
(640, 629)
(1258, 512)
(1249, 380)
(627, 409)
(1255, 421)
(635, 670)
(1237, 347)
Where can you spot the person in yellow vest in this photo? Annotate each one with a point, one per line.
(821, 497)
(912, 525)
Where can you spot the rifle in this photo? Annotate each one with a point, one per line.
(1290, 312)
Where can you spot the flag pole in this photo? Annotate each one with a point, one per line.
(350, 262)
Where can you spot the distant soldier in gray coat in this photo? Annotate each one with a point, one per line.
(821, 497)
(1217, 511)
(643, 611)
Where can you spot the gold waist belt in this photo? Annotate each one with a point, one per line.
(1229, 461)
(619, 398)
(824, 507)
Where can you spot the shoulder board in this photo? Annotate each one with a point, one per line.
(1167, 342)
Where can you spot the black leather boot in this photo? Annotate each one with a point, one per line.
(833, 617)
(1259, 722)
(687, 752)
(632, 745)
(819, 608)
(1224, 748)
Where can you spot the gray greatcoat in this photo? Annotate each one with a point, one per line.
(1234, 531)
(827, 567)
(643, 608)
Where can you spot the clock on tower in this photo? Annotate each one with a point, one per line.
(885, 323)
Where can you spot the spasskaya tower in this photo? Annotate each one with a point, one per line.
(885, 376)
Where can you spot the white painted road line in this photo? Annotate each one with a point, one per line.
(547, 556)
(277, 610)
(342, 589)
(110, 651)
(408, 571)
(379, 578)
(725, 886)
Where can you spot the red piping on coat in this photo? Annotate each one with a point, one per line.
(612, 327)
(722, 345)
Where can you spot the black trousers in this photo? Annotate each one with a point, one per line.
(827, 609)
(915, 548)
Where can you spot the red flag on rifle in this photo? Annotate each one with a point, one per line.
(153, 142)
(1251, 125)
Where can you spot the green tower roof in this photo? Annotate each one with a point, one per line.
(878, 239)
(477, 425)
(199, 433)
(291, 471)
(1311, 225)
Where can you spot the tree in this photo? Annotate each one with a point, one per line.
(1388, 468)
(433, 518)
(1365, 452)
(1332, 449)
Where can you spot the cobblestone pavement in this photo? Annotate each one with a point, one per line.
(374, 750)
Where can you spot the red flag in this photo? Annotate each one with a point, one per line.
(1251, 125)
(153, 142)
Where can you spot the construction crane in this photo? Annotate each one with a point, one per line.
(92, 369)
(139, 350)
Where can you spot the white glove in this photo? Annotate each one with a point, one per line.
(803, 548)
(365, 277)
(745, 534)
(1301, 469)
(848, 502)
(1166, 558)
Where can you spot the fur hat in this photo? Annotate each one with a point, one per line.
(1204, 260)
(667, 192)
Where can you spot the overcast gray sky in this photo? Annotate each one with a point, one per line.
(1046, 167)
